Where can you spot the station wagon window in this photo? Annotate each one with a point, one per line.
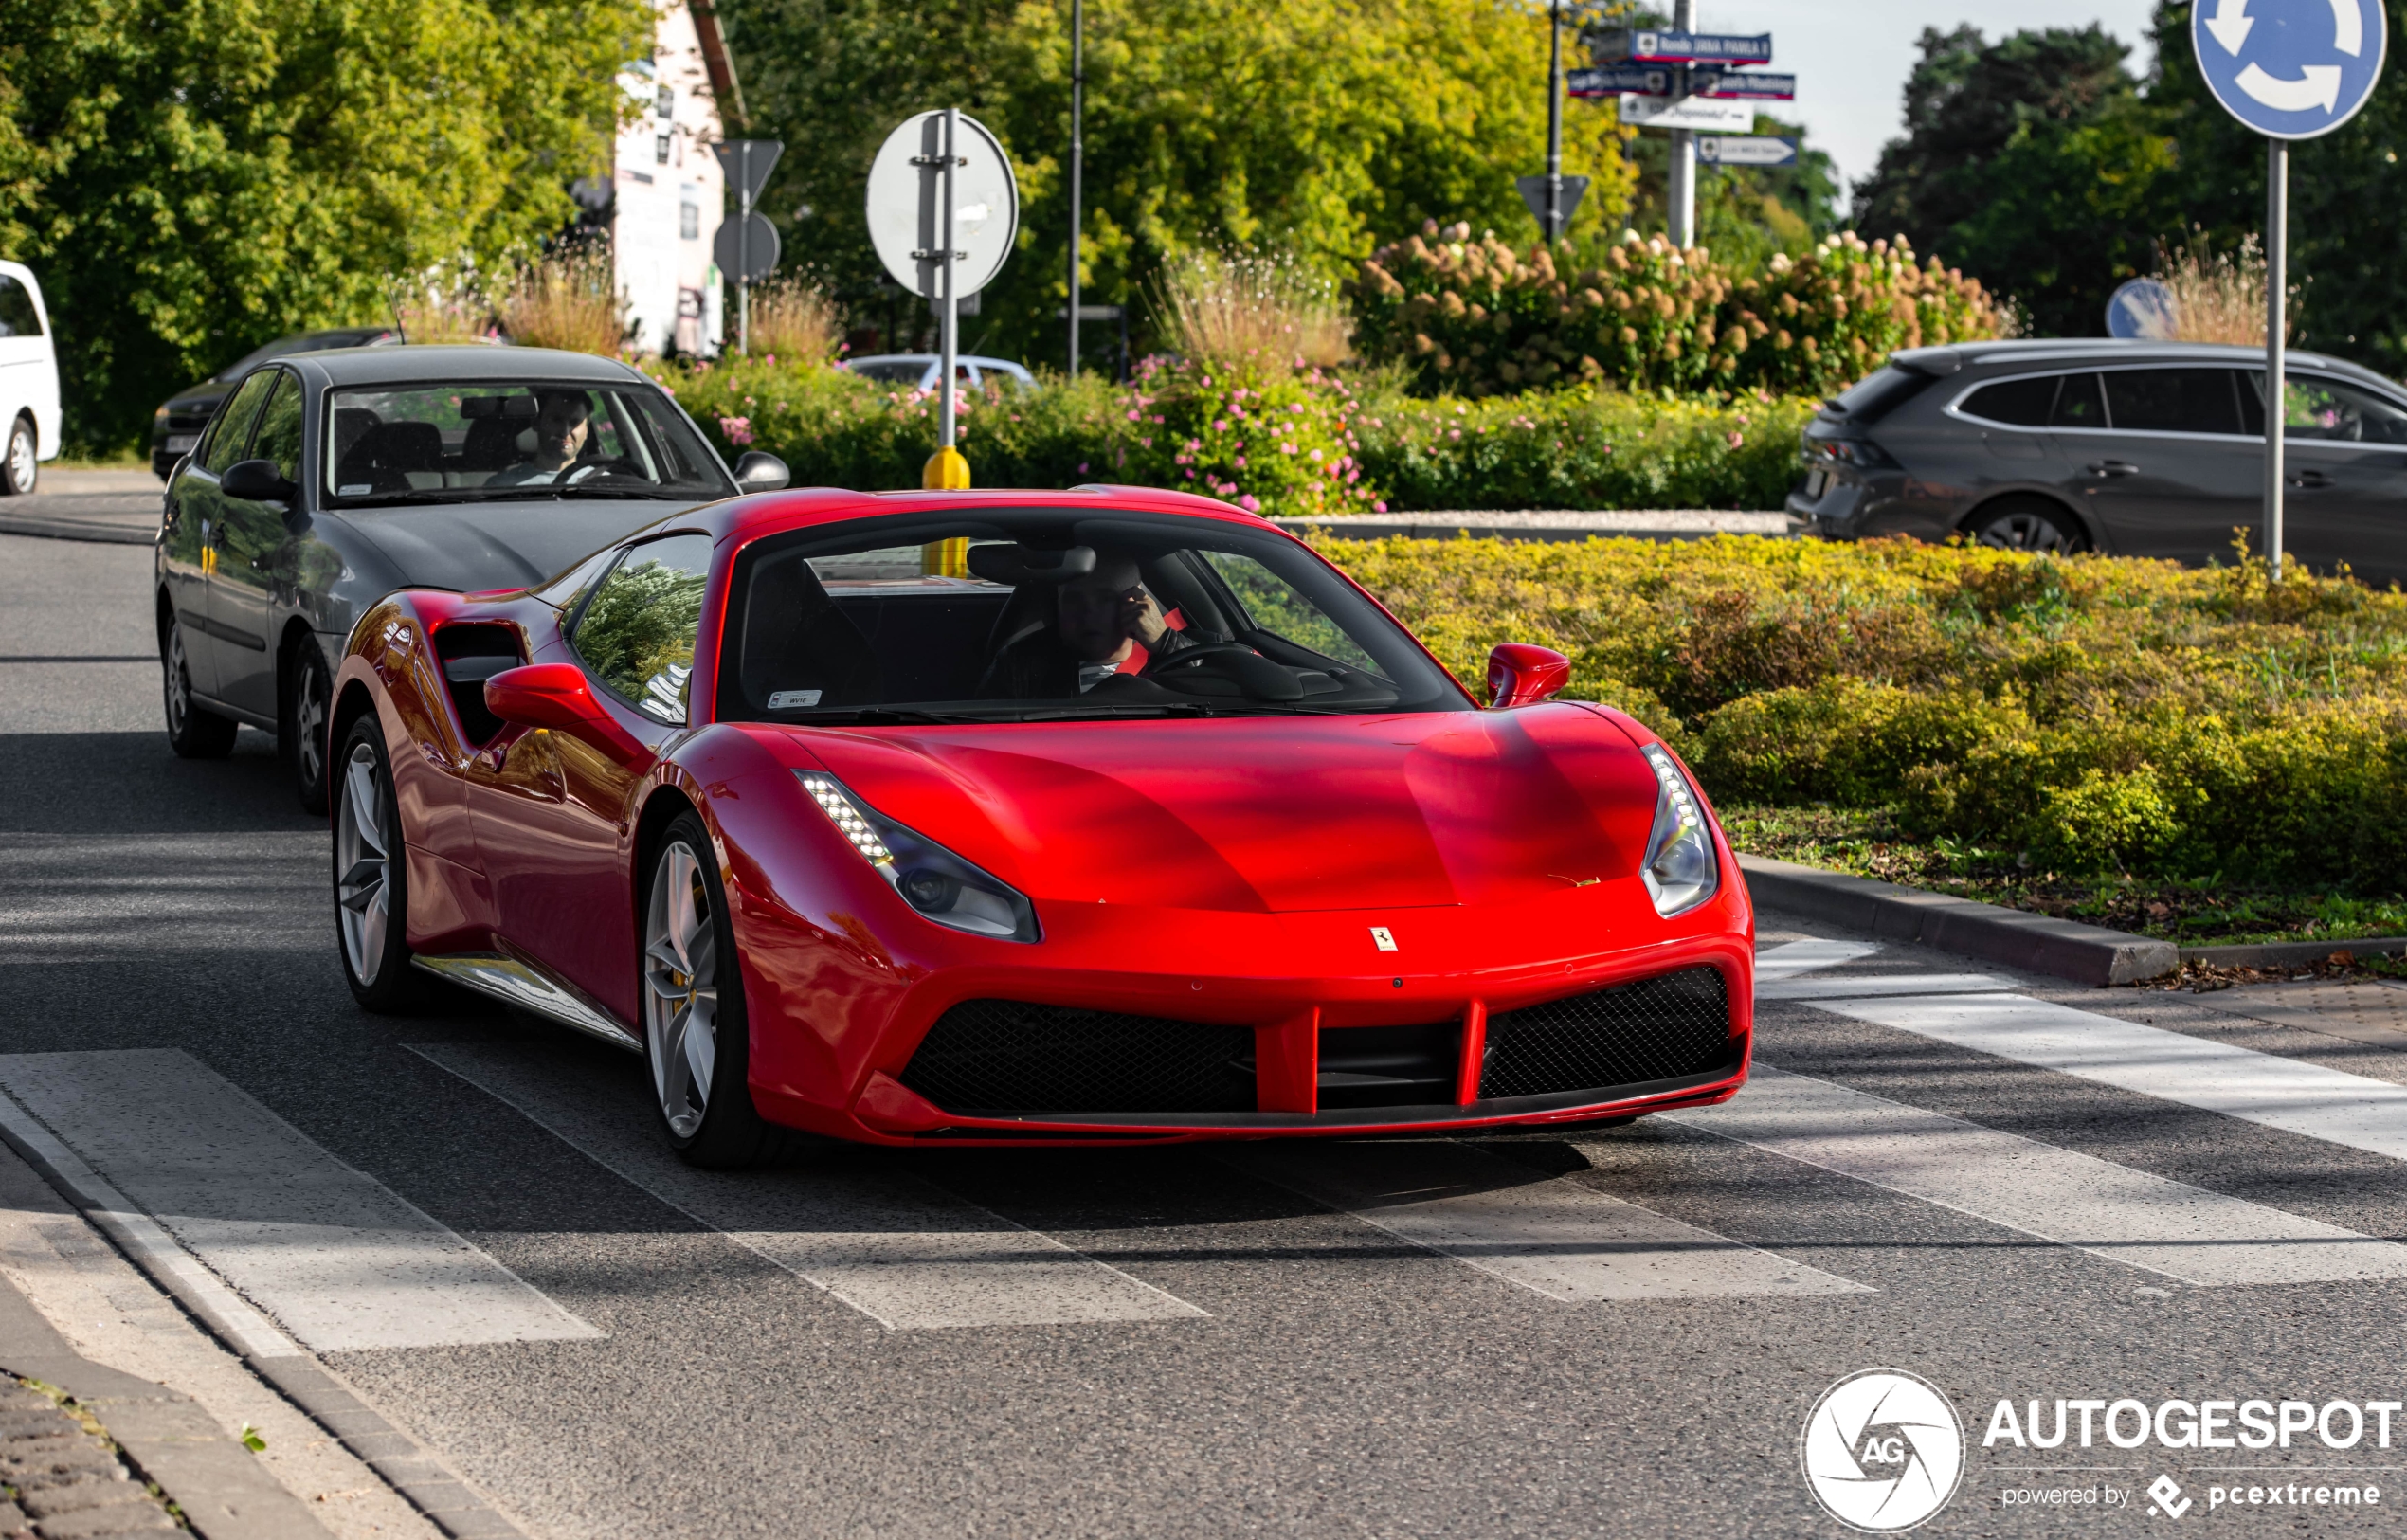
(2173, 401)
(17, 315)
(2078, 404)
(231, 435)
(637, 634)
(2325, 409)
(2017, 403)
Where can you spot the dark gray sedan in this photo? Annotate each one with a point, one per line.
(333, 478)
(2137, 449)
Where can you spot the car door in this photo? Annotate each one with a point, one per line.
(195, 509)
(2173, 472)
(26, 373)
(551, 818)
(2345, 475)
(255, 553)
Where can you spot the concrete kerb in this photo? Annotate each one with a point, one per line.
(2278, 953)
(423, 1480)
(2069, 950)
(78, 529)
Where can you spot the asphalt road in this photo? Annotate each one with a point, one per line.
(2013, 1189)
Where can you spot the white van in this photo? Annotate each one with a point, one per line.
(28, 381)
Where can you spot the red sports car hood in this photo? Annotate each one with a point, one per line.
(1269, 814)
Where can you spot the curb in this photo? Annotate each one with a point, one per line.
(2068, 949)
(2275, 953)
(76, 529)
(164, 1435)
(421, 1477)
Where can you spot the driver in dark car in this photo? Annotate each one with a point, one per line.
(1106, 622)
(563, 420)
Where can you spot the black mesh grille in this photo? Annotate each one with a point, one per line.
(1000, 1056)
(1656, 1029)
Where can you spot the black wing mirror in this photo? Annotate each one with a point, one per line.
(255, 481)
(759, 472)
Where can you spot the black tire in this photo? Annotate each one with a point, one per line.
(309, 703)
(683, 903)
(372, 877)
(192, 730)
(20, 471)
(2030, 524)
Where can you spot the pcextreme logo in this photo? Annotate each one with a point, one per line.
(1882, 1450)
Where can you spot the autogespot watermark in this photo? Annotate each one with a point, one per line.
(1883, 1450)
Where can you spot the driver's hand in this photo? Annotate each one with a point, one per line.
(1143, 618)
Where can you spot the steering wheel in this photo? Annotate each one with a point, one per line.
(621, 465)
(1192, 652)
(1255, 677)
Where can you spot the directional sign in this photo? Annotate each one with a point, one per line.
(746, 248)
(1533, 192)
(2290, 70)
(906, 206)
(1612, 80)
(1683, 49)
(1688, 112)
(1671, 81)
(1746, 150)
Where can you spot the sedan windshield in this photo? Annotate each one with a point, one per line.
(1043, 615)
(491, 441)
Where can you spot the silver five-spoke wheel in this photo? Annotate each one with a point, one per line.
(680, 993)
(362, 849)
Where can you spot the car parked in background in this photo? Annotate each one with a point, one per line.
(330, 479)
(919, 370)
(2134, 448)
(177, 426)
(28, 381)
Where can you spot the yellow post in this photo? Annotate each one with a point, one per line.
(947, 471)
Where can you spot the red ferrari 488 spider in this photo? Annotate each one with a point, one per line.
(1107, 815)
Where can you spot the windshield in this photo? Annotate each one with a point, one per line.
(492, 440)
(1043, 615)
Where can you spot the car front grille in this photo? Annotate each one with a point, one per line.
(1004, 1057)
(1661, 1028)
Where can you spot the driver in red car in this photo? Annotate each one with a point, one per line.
(563, 420)
(1106, 622)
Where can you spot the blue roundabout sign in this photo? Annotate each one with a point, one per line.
(2290, 70)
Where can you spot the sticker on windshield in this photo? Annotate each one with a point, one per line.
(789, 699)
(354, 489)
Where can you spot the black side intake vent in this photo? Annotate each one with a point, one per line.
(472, 653)
(1003, 1056)
(1660, 1028)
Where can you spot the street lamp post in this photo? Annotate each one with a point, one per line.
(1554, 124)
(1077, 161)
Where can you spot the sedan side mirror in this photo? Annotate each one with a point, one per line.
(557, 695)
(1521, 675)
(255, 481)
(759, 472)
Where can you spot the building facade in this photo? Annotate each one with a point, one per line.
(668, 191)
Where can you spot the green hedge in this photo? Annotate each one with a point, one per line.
(1303, 446)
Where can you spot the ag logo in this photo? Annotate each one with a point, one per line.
(1882, 1450)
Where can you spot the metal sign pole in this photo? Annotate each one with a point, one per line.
(1682, 191)
(953, 300)
(1554, 126)
(1077, 160)
(2277, 176)
(744, 284)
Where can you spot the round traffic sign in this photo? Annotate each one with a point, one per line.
(2141, 308)
(906, 223)
(746, 248)
(2290, 70)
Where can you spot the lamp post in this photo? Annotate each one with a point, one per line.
(1077, 161)
(1554, 123)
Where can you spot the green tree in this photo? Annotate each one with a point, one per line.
(192, 177)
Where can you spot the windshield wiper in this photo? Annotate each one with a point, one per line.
(587, 489)
(879, 716)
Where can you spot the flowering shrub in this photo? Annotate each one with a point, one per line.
(1474, 318)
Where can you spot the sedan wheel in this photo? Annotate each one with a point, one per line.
(694, 1024)
(371, 910)
(2028, 527)
(311, 692)
(192, 731)
(22, 466)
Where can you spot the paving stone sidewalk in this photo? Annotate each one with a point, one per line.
(59, 1480)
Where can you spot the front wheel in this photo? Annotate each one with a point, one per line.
(21, 467)
(312, 697)
(371, 876)
(2028, 525)
(193, 731)
(695, 1037)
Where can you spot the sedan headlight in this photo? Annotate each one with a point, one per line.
(935, 882)
(1681, 870)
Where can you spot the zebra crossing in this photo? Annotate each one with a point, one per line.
(316, 1255)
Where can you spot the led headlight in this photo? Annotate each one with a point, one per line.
(1680, 871)
(935, 882)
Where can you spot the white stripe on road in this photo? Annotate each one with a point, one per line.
(1791, 958)
(2284, 1094)
(1552, 1235)
(903, 1252)
(335, 1258)
(1878, 984)
(2060, 1195)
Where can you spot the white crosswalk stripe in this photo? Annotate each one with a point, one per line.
(1554, 1237)
(2127, 1216)
(1790, 958)
(2328, 1104)
(334, 1256)
(1878, 983)
(903, 1252)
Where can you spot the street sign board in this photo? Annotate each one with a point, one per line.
(1653, 47)
(1533, 192)
(906, 209)
(1746, 150)
(1688, 112)
(746, 248)
(2289, 69)
(2141, 308)
(1672, 81)
(748, 163)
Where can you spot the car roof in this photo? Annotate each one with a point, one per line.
(1957, 356)
(925, 358)
(749, 518)
(426, 361)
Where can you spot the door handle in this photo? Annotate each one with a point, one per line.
(2115, 467)
(2311, 479)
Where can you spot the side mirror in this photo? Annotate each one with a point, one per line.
(1521, 675)
(759, 472)
(255, 481)
(557, 695)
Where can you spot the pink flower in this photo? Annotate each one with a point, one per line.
(1221, 426)
(1251, 504)
(1190, 473)
(1083, 467)
(1378, 507)
(1453, 433)
(1241, 463)
(738, 429)
(1133, 417)
(1737, 439)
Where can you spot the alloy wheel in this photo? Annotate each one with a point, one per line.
(680, 993)
(22, 466)
(178, 681)
(309, 726)
(2026, 532)
(362, 847)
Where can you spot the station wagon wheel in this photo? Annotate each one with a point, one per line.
(2027, 524)
(372, 877)
(24, 466)
(305, 717)
(192, 730)
(694, 1040)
